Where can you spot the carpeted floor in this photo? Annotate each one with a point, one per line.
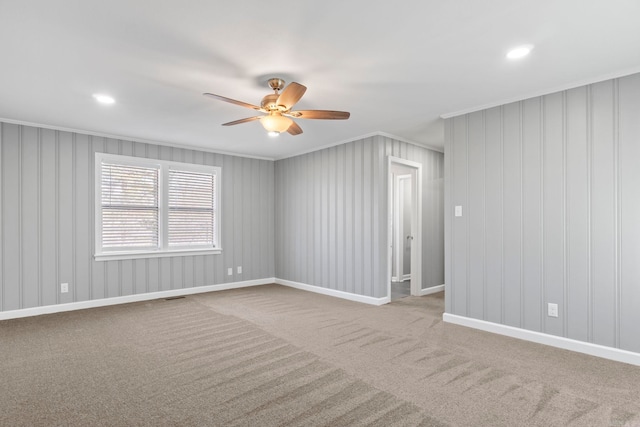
(272, 355)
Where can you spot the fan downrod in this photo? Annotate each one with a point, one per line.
(270, 102)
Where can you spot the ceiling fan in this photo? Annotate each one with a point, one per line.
(277, 108)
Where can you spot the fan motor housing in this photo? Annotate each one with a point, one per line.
(270, 103)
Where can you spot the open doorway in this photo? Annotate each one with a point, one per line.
(405, 201)
(401, 233)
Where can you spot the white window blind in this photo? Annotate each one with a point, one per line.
(191, 208)
(155, 208)
(129, 206)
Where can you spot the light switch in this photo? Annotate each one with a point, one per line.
(458, 211)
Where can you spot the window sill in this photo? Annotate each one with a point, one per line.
(115, 256)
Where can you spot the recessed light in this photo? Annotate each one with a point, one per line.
(520, 51)
(103, 99)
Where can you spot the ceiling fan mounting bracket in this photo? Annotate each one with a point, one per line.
(276, 84)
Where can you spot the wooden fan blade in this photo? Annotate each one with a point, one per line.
(294, 129)
(237, 122)
(320, 114)
(291, 94)
(232, 101)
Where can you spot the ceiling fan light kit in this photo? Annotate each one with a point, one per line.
(277, 107)
(275, 122)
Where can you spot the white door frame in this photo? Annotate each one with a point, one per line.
(416, 224)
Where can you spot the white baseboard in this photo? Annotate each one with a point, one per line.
(48, 309)
(406, 277)
(605, 352)
(431, 290)
(333, 292)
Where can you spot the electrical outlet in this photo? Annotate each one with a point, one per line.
(458, 211)
(239, 269)
(229, 271)
(64, 288)
(552, 310)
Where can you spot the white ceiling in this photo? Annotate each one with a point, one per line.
(396, 66)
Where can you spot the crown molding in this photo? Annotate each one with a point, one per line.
(128, 138)
(573, 85)
(361, 137)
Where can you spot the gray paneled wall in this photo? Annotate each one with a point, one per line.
(47, 221)
(331, 226)
(549, 189)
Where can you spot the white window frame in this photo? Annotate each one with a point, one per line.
(163, 249)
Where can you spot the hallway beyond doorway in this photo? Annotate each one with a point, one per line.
(400, 289)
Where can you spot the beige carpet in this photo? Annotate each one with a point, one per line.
(271, 355)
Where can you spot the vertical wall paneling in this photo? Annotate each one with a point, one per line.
(83, 228)
(512, 213)
(532, 214)
(378, 181)
(331, 216)
(19, 247)
(47, 221)
(48, 289)
(349, 192)
(358, 218)
(270, 237)
(283, 207)
(448, 215)
(577, 215)
(256, 245)
(2, 129)
(297, 256)
(459, 290)
(325, 216)
(339, 217)
(476, 215)
(238, 191)
(552, 190)
(11, 216)
(291, 206)
(629, 153)
(278, 206)
(616, 185)
(603, 206)
(565, 248)
(553, 203)
(65, 215)
(331, 229)
(494, 224)
(308, 224)
(29, 218)
(367, 244)
(589, 130)
(252, 169)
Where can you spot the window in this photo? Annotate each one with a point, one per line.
(191, 208)
(149, 208)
